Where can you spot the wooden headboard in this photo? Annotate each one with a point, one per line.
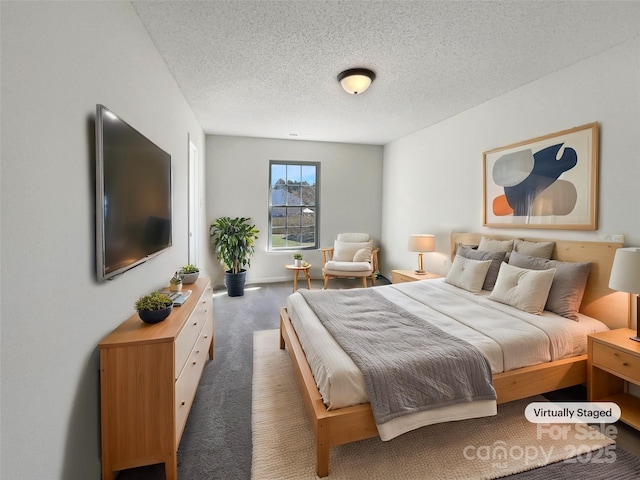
(599, 301)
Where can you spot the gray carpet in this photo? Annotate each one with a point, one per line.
(216, 443)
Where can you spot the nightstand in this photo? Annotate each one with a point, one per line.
(399, 276)
(613, 361)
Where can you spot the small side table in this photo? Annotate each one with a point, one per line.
(613, 363)
(297, 270)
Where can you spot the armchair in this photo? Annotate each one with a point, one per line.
(352, 256)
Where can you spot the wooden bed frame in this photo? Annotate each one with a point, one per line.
(349, 424)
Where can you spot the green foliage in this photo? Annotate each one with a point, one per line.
(233, 240)
(153, 301)
(297, 256)
(176, 279)
(189, 269)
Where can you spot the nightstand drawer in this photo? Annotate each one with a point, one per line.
(401, 276)
(617, 361)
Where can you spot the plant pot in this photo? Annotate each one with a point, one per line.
(189, 278)
(175, 288)
(154, 316)
(235, 283)
(297, 262)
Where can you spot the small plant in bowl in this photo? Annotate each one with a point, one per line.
(297, 259)
(189, 274)
(154, 307)
(175, 284)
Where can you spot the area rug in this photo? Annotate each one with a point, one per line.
(485, 448)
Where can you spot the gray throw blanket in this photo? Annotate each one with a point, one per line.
(408, 364)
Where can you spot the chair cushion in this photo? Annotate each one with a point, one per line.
(363, 255)
(345, 251)
(348, 268)
(353, 237)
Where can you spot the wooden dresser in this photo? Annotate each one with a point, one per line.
(148, 378)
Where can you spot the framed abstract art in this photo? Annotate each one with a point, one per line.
(546, 182)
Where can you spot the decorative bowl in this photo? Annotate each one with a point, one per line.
(188, 278)
(154, 316)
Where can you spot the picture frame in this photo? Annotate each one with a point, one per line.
(548, 182)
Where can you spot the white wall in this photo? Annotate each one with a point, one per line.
(238, 186)
(58, 60)
(433, 178)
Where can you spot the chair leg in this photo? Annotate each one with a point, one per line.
(326, 281)
(364, 282)
(373, 280)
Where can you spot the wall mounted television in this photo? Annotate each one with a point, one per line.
(133, 196)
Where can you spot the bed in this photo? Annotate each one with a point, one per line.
(337, 424)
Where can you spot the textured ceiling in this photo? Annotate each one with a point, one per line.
(268, 68)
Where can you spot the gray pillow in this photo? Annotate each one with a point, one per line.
(496, 259)
(534, 249)
(568, 284)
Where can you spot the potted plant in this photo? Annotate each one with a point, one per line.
(189, 274)
(297, 259)
(154, 307)
(233, 240)
(175, 284)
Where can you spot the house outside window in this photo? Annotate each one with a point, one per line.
(294, 198)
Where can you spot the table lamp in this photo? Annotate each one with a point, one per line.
(422, 243)
(625, 277)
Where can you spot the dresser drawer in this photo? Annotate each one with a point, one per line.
(186, 339)
(192, 328)
(618, 361)
(187, 382)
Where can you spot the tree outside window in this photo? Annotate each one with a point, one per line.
(293, 205)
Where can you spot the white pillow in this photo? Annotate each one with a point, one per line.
(345, 251)
(363, 255)
(467, 273)
(524, 289)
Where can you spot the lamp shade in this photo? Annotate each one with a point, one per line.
(625, 273)
(422, 243)
(356, 80)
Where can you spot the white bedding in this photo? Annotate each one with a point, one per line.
(508, 337)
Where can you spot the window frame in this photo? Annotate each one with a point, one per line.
(316, 207)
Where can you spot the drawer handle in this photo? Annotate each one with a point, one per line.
(182, 403)
(194, 363)
(206, 336)
(195, 323)
(625, 364)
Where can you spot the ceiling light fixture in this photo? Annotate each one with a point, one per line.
(356, 80)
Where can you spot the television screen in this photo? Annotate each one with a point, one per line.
(133, 196)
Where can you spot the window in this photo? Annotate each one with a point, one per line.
(294, 190)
